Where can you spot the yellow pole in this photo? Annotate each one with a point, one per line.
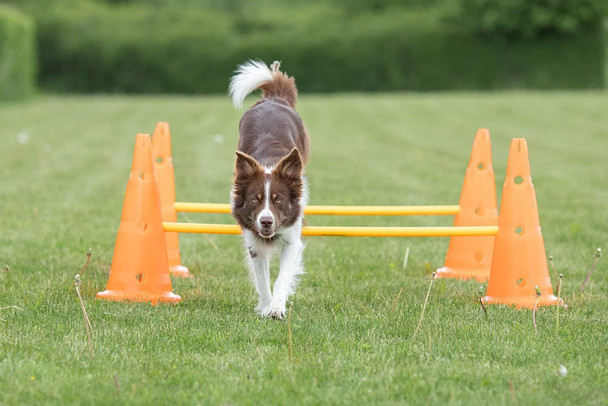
(344, 231)
(202, 207)
(335, 210)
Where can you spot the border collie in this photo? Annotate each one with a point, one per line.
(269, 190)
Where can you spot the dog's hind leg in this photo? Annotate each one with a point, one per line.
(258, 261)
(291, 268)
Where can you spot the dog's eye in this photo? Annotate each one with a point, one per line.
(255, 200)
(278, 200)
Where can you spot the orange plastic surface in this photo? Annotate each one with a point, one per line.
(163, 167)
(471, 257)
(519, 263)
(140, 269)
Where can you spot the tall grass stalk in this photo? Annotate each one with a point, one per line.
(559, 289)
(426, 299)
(598, 255)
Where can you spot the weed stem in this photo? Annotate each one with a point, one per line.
(396, 300)
(555, 272)
(87, 322)
(289, 332)
(598, 255)
(483, 307)
(559, 289)
(406, 257)
(424, 305)
(89, 253)
(535, 306)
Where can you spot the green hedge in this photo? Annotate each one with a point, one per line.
(17, 55)
(531, 18)
(90, 46)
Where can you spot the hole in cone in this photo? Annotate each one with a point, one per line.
(518, 180)
(141, 175)
(139, 277)
(481, 165)
(160, 160)
(479, 211)
(521, 282)
(519, 230)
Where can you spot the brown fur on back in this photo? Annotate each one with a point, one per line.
(270, 130)
(281, 86)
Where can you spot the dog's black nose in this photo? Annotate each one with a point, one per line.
(266, 221)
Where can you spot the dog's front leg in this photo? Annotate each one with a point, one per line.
(259, 268)
(291, 267)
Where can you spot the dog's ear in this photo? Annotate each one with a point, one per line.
(246, 166)
(290, 166)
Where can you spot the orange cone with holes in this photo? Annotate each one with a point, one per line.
(519, 264)
(471, 257)
(140, 270)
(163, 167)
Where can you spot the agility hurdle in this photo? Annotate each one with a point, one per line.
(320, 231)
(147, 245)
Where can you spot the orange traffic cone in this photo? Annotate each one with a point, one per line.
(471, 257)
(140, 270)
(519, 264)
(163, 167)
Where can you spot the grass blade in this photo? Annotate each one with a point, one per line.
(424, 305)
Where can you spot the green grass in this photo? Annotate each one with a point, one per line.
(61, 192)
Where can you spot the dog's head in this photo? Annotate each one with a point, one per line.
(266, 199)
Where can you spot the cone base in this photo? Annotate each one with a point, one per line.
(445, 272)
(181, 271)
(120, 295)
(521, 302)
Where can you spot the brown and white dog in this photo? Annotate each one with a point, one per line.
(270, 191)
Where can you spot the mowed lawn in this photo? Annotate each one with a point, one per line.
(64, 163)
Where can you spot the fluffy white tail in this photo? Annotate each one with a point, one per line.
(248, 77)
(254, 75)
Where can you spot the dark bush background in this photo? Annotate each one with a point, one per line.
(17, 55)
(531, 18)
(192, 46)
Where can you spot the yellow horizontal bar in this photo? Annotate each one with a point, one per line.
(202, 207)
(202, 228)
(344, 231)
(382, 210)
(335, 210)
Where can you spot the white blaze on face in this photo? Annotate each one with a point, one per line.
(266, 212)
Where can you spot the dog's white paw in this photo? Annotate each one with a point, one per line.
(275, 312)
(262, 309)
